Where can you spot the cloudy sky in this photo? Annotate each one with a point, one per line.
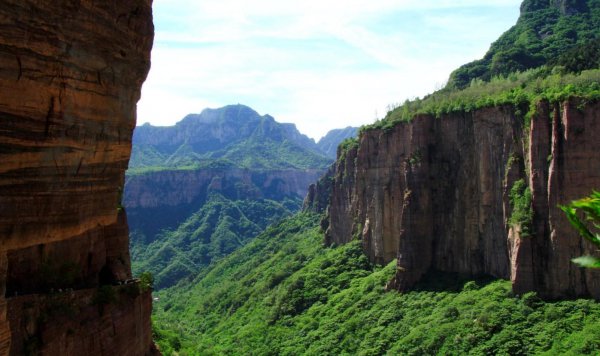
(321, 64)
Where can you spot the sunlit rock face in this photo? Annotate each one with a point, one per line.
(70, 78)
(434, 194)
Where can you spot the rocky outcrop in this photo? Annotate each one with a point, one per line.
(171, 196)
(317, 197)
(88, 320)
(70, 77)
(435, 194)
(564, 165)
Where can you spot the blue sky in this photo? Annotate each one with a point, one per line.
(321, 64)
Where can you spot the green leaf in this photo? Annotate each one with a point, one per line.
(587, 261)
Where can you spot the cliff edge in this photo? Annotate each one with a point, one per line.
(443, 193)
(70, 78)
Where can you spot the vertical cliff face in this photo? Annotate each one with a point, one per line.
(436, 195)
(564, 165)
(70, 78)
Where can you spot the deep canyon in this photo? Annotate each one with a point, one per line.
(435, 193)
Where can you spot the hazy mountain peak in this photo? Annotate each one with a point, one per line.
(329, 143)
(230, 113)
(235, 133)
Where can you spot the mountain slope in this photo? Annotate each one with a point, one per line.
(545, 30)
(232, 136)
(284, 293)
(218, 228)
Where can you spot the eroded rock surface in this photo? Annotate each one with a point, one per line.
(70, 78)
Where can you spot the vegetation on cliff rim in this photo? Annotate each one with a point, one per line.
(345, 146)
(521, 90)
(284, 293)
(330, 142)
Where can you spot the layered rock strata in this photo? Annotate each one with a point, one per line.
(435, 195)
(70, 78)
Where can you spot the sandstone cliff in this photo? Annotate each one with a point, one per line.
(435, 194)
(70, 77)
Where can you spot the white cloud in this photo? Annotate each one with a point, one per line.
(321, 64)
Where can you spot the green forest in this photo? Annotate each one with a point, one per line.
(286, 294)
(218, 228)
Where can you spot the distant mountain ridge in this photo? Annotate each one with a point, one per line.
(328, 144)
(232, 136)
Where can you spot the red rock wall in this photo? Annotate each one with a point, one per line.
(434, 194)
(78, 323)
(70, 78)
(564, 163)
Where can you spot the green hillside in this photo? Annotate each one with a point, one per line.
(545, 30)
(218, 228)
(286, 294)
(552, 53)
(224, 175)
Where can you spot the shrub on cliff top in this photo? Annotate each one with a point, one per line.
(519, 90)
